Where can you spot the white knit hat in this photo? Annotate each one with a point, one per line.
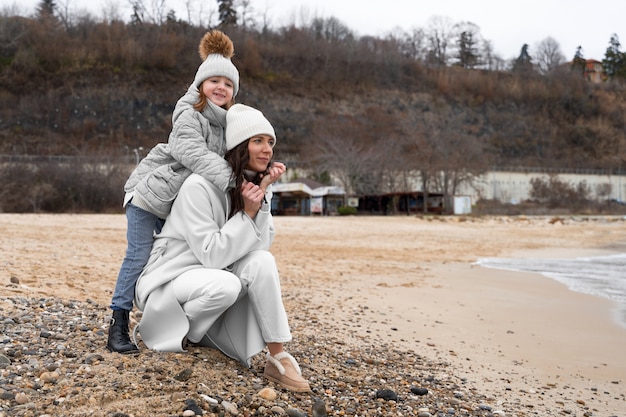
(216, 49)
(243, 122)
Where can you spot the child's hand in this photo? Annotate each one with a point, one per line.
(273, 174)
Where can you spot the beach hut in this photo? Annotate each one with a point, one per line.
(306, 197)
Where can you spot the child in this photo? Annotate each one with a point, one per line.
(196, 144)
(211, 279)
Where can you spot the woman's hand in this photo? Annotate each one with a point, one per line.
(273, 174)
(252, 198)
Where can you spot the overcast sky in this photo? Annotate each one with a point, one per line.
(507, 24)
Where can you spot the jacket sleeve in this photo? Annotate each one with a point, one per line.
(189, 147)
(265, 223)
(197, 205)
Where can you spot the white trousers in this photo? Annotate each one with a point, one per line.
(205, 294)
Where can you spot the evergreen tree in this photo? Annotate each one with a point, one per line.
(227, 13)
(579, 62)
(523, 64)
(467, 52)
(46, 9)
(614, 62)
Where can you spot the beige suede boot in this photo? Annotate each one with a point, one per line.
(285, 371)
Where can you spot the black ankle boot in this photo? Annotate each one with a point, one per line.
(118, 334)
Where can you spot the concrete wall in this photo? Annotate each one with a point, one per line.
(514, 187)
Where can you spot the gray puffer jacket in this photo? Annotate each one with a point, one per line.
(196, 144)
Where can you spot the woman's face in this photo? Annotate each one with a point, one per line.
(261, 150)
(219, 90)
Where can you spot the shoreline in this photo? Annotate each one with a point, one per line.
(618, 308)
(511, 334)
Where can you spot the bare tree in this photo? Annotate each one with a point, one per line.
(460, 154)
(12, 10)
(246, 14)
(158, 11)
(346, 147)
(438, 146)
(139, 11)
(265, 19)
(421, 134)
(413, 44)
(111, 11)
(439, 34)
(331, 30)
(548, 55)
(350, 160)
(63, 12)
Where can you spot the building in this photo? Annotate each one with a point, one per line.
(401, 202)
(594, 71)
(306, 197)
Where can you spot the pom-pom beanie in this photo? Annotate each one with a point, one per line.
(244, 122)
(216, 49)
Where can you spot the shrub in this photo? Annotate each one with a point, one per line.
(346, 210)
(554, 192)
(92, 185)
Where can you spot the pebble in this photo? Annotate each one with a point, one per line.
(183, 375)
(21, 398)
(419, 390)
(230, 408)
(278, 410)
(268, 394)
(387, 394)
(319, 408)
(191, 406)
(53, 360)
(49, 377)
(294, 412)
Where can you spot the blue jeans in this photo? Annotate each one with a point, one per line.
(142, 226)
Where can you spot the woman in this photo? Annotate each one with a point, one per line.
(210, 279)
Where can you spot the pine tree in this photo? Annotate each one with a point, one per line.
(523, 64)
(227, 13)
(579, 62)
(614, 62)
(468, 54)
(46, 9)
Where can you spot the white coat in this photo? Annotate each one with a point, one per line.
(198, 234)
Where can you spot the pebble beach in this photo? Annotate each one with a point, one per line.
(388, 314)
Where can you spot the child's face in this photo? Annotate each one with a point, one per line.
(219, 90)
(260, 150)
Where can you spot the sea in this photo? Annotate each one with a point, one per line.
(602, 276)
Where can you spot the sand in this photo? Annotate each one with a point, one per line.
(406, 280)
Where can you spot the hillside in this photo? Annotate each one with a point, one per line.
(108, 89)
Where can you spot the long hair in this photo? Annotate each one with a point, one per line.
(238, 158)
(202, 101)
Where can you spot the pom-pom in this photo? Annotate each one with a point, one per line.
(216, 42)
